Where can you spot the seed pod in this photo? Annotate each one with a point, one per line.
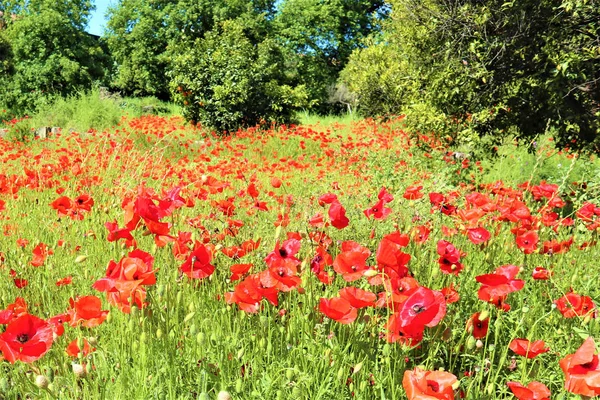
(224, 395)
(289, 374)
(200, 338)
(42, 382)
(159, 333)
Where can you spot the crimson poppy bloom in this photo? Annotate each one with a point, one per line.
(358, 298)
(541, 273)
(528, 242)
(13, 311)
(351, 262)
(40, 253)
(73, 349)
(533, 391)
(337, 215)
(573, 305)
(198, 263)
(495, 287)
(525, 348)
(449, 260)
(478, 235)
(478, 325)
(238, 270)
(413, 192)
(26, 339)
(338, 309)
(86, 311)
(429, 385)
(582, 370)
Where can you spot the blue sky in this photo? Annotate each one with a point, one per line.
(97, 21)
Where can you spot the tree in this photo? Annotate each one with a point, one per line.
(320, 36)
(229, 79)
(145, 36)
(493, 67)
(50, 54)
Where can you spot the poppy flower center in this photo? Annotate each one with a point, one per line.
(418, 308)
(22, 338)
(433, 385)
(283, 253)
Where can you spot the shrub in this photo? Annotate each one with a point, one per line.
(228, 80)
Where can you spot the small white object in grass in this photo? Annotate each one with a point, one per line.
(42, 382)
(224, 395)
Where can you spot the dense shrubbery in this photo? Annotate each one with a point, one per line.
(229, 80)
(47, 54)
(486, 67)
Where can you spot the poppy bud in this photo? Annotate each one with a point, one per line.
(203, 396)
(471, 343)
(42, 382)
(80, 259)
(239, 385)
(224, 395)
(78, 370)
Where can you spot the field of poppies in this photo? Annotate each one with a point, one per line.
(339, 261)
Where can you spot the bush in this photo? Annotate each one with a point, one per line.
(227, 81)
(489, 68)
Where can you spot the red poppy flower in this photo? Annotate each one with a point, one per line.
(249, 293)
(13, 311)
(84, 202)
(26, 339)
(358, 298)
(238, 270)
(58, 322)
(64, 281)
(40, 253)
(337, 215)
(351, 262)
(320, 263)
(73, 349)
(86, 311)
(541, 273)
(478, 325)
(528, 242)
(533, 391)
(429, 385)
(495, 287)
(525, 348)
(572, 305)
(391, 260)
(378, 211)
(413, 192)
(582, 370)
(478, 235)
(421, 234)
(338, 309)
(198, 263)
(450, 294)
(284, 255)
(276, 182)
(449, 260)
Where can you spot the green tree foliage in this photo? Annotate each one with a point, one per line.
(377, 77)
(145, 36)
(319, 37)
(228, 79)
(46, 52)
(490, 66)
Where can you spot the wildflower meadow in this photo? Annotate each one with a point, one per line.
(347, 260)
